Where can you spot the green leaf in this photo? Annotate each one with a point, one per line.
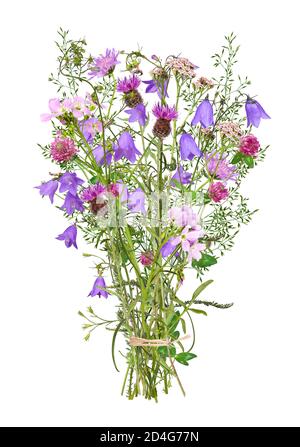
(198, 311)
(237, 158)
(201, 288)
(175, 335)
(206, 199)
(185, 357)
(124, 257)
(249, 162)
(205, 261)
(183, 324)
(114, 342)
(87, 337)
(172, 325)
(164, 351)
(94, 180)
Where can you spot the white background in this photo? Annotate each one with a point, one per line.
(248, 367)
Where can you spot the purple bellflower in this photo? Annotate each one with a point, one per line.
(126, 148)
(137, 114)
(136, 201)
(72, 203)
(188, 147)
(48, 189)
(69, 236)
(98, 287)
(154, 87)
(204, 114)
(100, 157)
(181, 176)
(70, 182)
(167, 248)
(255, 112)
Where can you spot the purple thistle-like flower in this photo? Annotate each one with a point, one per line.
(100, 157)
(204, 114)
(48, 189)
(128, 84)
(69, 236)
(220, 168)
(155, 87)
(181, 176)
(138, 114)
(72, 202)
(188, 147)
(255, 112)
(98, 287)
(70, 182)
(104, 64)
(165, 112)
(92, 192)
(90, 128)
(126, 148)
(136, 201)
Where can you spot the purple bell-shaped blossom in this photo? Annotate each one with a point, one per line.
(98, 287)
(48, 189)
(188, 147)
(255, 112)
(69, 236)
(204, 114)
(126, 148)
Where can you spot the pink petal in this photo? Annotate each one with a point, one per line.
(185, 246)
(54, 105)
(176, 241)
(193, 236)
(46, 117)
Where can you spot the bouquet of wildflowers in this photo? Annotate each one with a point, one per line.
(148, 161)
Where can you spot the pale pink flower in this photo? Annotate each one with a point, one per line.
(183, 216)
(195, 251)
(203, 82)
(188, 240)
(57, 108)
(182, 66)
(187, 237)
(79, 107)
(230, 129)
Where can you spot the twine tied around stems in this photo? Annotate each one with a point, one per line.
(137, 341)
